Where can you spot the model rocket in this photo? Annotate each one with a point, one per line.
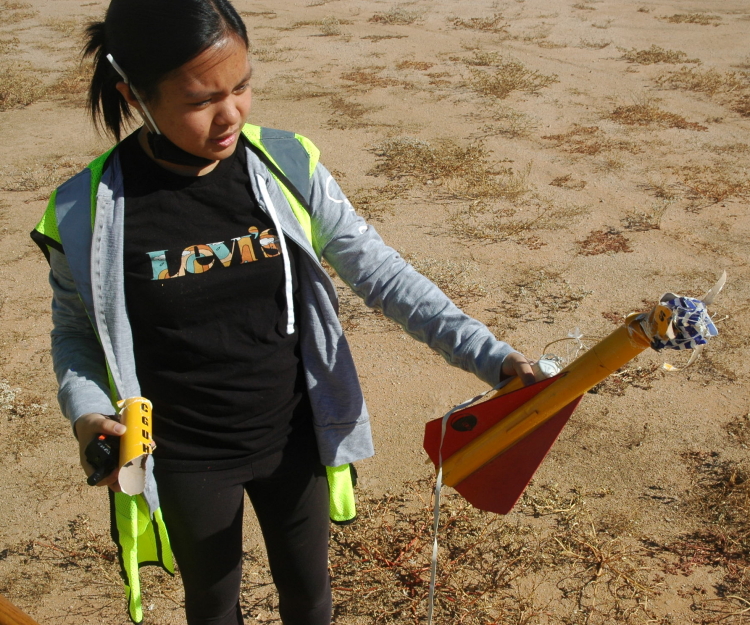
(489, 451)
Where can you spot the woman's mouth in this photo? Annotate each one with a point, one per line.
(226, 141)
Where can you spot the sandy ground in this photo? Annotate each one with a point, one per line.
(548, 168)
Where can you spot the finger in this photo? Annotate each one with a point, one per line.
(111, 427)
(525, 372)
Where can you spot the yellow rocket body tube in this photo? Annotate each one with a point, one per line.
(585, 372)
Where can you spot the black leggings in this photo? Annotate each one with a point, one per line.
(203, 513)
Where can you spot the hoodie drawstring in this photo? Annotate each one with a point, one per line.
(287, 266)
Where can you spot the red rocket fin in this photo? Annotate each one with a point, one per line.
(498, 485)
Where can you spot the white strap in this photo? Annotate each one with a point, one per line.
(287, 264)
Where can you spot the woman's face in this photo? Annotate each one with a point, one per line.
(202, 106)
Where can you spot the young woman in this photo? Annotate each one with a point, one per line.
(185, 268)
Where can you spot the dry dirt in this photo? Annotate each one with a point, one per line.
(551, 166)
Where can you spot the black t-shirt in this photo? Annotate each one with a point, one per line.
(204, 286)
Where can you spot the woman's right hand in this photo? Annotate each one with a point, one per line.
(88, 427)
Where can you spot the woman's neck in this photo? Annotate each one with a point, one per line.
(182, 170)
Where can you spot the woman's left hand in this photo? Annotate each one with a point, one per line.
(516, 364)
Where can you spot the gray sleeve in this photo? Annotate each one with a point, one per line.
(384, 280)
(77, 357)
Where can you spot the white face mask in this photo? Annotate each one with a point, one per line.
(161, 146)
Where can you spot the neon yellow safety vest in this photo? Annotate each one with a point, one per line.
(142, 538)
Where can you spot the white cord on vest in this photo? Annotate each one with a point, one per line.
(287, 265)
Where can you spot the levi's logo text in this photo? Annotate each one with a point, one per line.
(248, 248)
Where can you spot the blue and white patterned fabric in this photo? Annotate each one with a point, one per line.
(691, 323)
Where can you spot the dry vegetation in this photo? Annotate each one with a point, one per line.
(19, 86)
(462, 281)
(655, 54)
(568, 182)
(463, 172)
(720, 499)
(421, 66)
(489, 568)
(596, 576)
(330, 27)
(493, 24)
(704, 19)
(397, 16)
(742, 105)
(608, 241)
(14, 12)
(708, 81)
(376, 203)
(537, 295)
(594, 44)
(505, 77)
(272, 54)
(371, 77)
(8, 45)
(509, 123)
(43, 174)
(643, 221)
(738, 430)
(647, 114)
(589, 140)
(348, 114)
(322, 23)
(714, 183)
(492, 222)
(264, 14)
(640, 377)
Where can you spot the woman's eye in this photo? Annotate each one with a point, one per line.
(204, 103)
(242, 88)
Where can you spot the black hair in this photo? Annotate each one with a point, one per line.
(149, 39)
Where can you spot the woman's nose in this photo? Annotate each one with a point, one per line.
(229, 114)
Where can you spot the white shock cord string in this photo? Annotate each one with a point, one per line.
(438, 489)
(287, 265)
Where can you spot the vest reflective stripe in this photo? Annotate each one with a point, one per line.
(46, 233)
(341, 502)
(283, 148)
(141, 541)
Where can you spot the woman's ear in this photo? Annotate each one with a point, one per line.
(127, 93)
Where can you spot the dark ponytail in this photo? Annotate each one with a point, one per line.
(149, 39)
